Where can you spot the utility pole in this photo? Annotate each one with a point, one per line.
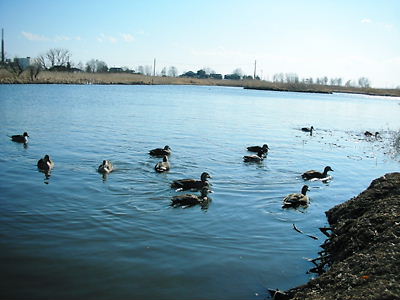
(154, 67)
(2, 45)
(255, 68)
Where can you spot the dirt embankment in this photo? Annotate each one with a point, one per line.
(363, 250)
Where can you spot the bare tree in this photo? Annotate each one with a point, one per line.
(208, 70)
(34, 69)
(279, 77)
(164, 72)
(140, 69)
(96, 66)
(41, 59)
(238, 72)
(16, 68)
(336, 81)
(172, 71)
(292, 78)
(79, 65)
(58, 57)
(363, 82)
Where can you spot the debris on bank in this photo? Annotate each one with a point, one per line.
(361, 256)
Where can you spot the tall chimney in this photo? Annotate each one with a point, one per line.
(2, 45)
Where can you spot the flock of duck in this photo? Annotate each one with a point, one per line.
(294, 200)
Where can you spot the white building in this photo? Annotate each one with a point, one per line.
(23, 62)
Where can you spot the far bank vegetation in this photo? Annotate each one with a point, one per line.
(56, 66)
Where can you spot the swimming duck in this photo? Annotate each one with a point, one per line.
(191, 200)
(296, 199)
(106, 167)
(315, 174)
(264, 148)
(187, 184)
(307, 129)
(20, 138)
(254, 158)
(45, 163)
(161, 151)
(369, 134)
(163, 165)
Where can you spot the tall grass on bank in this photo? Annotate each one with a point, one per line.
(47, 77)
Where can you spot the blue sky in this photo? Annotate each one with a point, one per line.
(347, 39)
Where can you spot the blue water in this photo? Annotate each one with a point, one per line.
(78, 235)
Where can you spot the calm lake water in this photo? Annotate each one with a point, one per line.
(78, 235)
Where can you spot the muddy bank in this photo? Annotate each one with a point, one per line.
(362, 254)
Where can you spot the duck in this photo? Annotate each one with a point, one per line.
(163, 165)
(106, 167)
(189, 200)
(188, 184)
(45, 163)
(161, 151)
(311, 174)
(297, 199)
(369, 134)
(20, 138)
(263, 148)
(307, 129)
(254, 158)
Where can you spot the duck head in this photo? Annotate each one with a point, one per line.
(26, 134)
(305, 189)
(204, 176)
(204, 192)
(328, 168)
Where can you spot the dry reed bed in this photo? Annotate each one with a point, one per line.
(47, 77)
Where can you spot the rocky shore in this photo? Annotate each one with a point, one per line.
(362, 252)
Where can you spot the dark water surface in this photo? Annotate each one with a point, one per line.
(76, 235)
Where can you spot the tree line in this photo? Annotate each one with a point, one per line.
(293, 78)
(59, 59)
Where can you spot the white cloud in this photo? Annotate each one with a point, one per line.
(34, 37)
(387, 26)
(127, 37)
(366, 21)
(106, 38)
(37, 37)
(62, 38)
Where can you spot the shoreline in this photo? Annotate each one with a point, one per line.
(47, 77)
(362, 250)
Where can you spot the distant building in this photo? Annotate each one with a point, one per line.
(216, 76)
(115, 70)
(23, 62)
